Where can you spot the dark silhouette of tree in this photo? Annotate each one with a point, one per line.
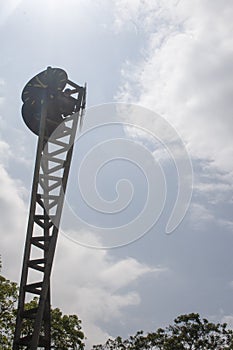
(189, 332)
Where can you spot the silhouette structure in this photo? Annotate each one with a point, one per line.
(53, 108)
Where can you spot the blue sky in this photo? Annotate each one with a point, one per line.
(175, 59)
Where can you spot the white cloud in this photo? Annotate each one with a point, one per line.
(97, 287)
(215, 193)
(186, 75)
(115, 279)
(5, 152)
(145, 15)
(14, 212)
(200, 216)
(12, 224)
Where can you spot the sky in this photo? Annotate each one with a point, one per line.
(156, 141)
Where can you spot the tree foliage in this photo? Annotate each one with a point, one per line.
(189, 332)
(8, 298)
(66, 330)
(66, 333)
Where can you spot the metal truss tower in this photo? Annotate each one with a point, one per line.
(53, 108)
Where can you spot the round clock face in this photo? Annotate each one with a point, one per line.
(46, 85)
(32, 118)
(50, 82)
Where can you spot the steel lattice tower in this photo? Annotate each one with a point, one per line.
(52, 109)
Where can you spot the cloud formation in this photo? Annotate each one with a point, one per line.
(98, 287)
(185, 74)
(13, 219)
